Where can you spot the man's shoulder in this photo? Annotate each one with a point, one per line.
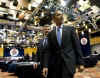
(69, 27)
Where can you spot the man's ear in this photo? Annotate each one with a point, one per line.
(62, 18)
(53, 18)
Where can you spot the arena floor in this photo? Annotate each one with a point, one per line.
(91, 72)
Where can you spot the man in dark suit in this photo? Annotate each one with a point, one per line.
(42, 47)
(64, 51)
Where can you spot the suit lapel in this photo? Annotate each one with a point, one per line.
(55, 37)
(63, 34)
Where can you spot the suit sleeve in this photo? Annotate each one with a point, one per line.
(77, 47)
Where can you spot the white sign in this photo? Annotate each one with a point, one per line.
(84, 41)
(14, 52)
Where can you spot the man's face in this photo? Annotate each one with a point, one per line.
(58, 17)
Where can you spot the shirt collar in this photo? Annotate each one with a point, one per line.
(60, 26)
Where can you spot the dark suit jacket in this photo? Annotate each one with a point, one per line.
(69, 50)
(41, 51)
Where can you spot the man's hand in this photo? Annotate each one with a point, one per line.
(81, 68)
(35, 66)
(45, 72)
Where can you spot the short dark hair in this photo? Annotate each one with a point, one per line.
(57, 13)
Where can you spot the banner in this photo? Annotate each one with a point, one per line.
(1, 52)
(29, 51)
(85, 44)
(15, 52)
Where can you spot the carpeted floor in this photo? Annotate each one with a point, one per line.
(92, 72)
(7, 75)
